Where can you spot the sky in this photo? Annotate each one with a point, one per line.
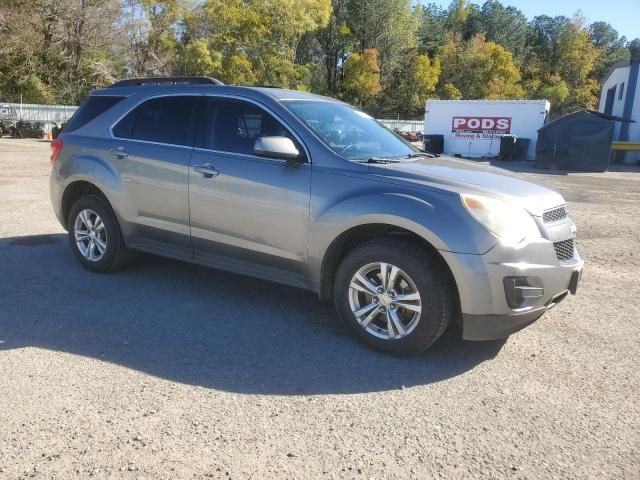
(623, 15)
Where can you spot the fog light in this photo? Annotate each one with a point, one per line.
(522, 292)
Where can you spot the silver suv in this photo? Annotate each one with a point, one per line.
(310, 192)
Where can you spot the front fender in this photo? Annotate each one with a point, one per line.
(438, 218)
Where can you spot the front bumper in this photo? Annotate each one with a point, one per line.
(492, 327)
(486, 285)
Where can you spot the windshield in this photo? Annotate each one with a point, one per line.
(350, 132)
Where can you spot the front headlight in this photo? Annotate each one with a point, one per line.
(509, 223)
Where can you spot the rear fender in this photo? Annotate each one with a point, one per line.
(92, 169)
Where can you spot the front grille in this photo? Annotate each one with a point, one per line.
(554, 215)
(564, 249)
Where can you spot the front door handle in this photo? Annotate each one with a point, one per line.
(119, 152)
(207, 170)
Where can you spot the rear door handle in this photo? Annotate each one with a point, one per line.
(119, 152)
(207, 170)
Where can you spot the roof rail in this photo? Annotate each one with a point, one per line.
(138, 82)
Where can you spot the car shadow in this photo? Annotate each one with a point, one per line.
(200, 326)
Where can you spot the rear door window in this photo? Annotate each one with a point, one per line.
(90, 109)
(161, 120)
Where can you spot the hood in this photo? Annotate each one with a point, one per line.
(467, 176)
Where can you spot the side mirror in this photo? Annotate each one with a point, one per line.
(276, 147)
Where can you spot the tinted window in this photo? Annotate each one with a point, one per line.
(162, 120)
(234, 126)
(90, 109)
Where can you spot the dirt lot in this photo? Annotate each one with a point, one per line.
(168, 370)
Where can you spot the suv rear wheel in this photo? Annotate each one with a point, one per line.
(94, 235)
(394, 295)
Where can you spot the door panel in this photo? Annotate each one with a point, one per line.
(253, 215)
(156, 179)
(151, 150)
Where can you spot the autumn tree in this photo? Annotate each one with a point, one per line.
(389, 26)
(575, 59)
(260, 38)
(362, 76)
(386, 55)
(58, 50)
(411, 86)
(198, 59)
(150, 31)
(479, 69)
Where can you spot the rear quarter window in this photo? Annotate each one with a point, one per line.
(164, 119)
(90, 109)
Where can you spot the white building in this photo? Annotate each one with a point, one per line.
(620, 96)
(472, 128)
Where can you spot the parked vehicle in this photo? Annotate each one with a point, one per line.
(28, 129)
(8, 119)
(310, 192)
(408, 136)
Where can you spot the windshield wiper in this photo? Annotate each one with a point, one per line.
(378, 160)
(423, 154)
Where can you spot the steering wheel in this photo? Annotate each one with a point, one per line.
(347, 148)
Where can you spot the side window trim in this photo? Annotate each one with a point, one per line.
(150, 142)
(266, 109)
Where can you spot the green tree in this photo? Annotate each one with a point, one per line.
(432, 32)
(610, 46)
(389, 26)
(334, 40)
(562, 58)
(555, 90)
(238, 70)
(575, 58)
(362, 76)
(263, 36)
(479, 69)
(411, 87)
(506, 26)
(634, 50)
(458, 16)
(198, 59)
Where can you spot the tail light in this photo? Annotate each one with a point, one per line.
(56, 146)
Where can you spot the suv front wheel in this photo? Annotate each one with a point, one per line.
(394, 295)
(94, 235)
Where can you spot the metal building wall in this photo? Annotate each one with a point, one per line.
(43, 113)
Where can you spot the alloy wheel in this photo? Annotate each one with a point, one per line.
(91, 235)
(385, 301)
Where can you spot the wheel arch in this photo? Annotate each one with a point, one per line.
(357, 235)
(76, 190)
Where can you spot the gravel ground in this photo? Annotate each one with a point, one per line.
(168, 370)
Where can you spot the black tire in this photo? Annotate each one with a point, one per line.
(116, 255)
(428, 275)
